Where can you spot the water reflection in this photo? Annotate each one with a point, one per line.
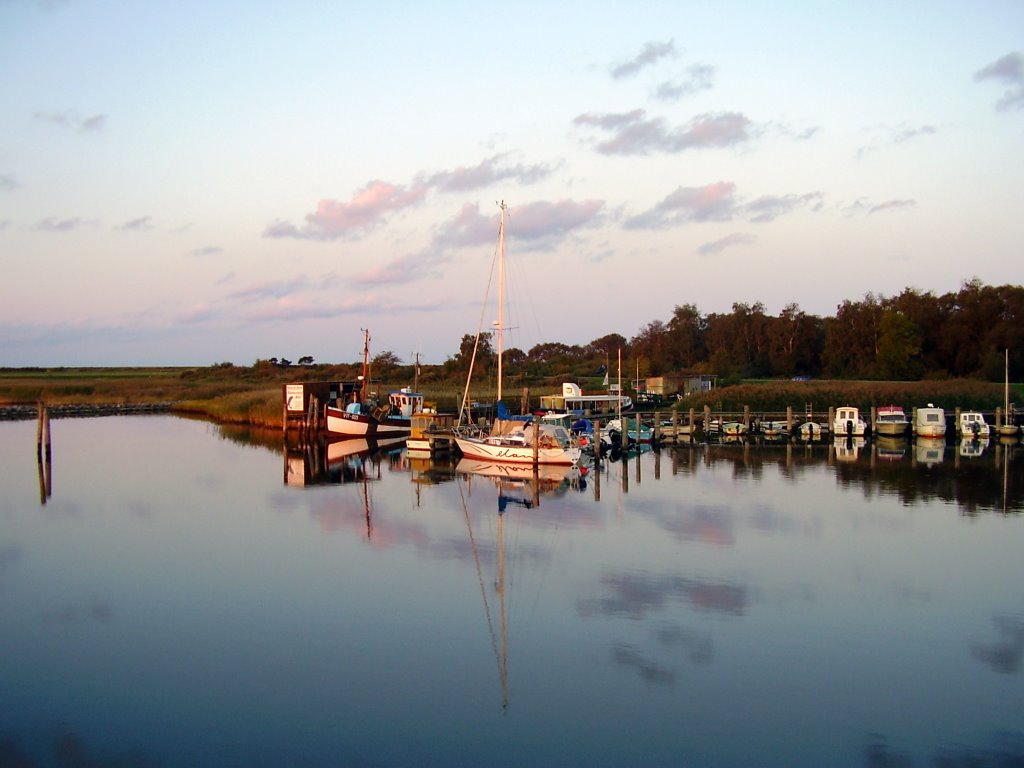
(238, 601)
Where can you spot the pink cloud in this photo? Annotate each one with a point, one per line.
(335, 220)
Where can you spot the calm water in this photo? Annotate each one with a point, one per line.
(184, 599)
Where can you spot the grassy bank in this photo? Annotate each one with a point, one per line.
(253, 395)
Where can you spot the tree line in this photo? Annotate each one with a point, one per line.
(911, 336)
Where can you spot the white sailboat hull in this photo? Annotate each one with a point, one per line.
(482, 449)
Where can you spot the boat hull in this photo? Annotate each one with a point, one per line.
(341, 424)
(519, 454)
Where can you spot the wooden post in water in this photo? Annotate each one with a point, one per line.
(43, 453)
(707, 419)
(536, 444)
(746, 417)
(692, 419)
(656, 437)
(831, 419)
(789, 419)
(999, 417)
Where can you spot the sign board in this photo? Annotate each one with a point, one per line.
(293, 398)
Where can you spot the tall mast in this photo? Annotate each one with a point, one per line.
(366, 366)
(501, 293)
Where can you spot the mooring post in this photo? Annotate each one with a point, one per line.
(39, 430)
(789, 419)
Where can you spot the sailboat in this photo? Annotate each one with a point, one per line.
(356, 415)
(1007, 428)
(514, 439)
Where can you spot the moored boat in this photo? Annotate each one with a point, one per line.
(972, 426)
(890, 420)
(356, 414)
(811, 430)
(848, 423)
(430, 431)
(930, 422)
(574, 401)
(518, 439)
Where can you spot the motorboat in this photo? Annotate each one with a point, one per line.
(848, 423)
(972, 426)
(890, 420)
(930, 422)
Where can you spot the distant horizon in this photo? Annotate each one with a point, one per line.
(179, 189)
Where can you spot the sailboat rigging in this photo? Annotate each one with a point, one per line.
(519, 439)
(356, 414)
(1009, 427)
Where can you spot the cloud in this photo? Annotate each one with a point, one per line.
(717, 246)
(71, 120)
(1009, 71)
(486, 172)
(141, 224)
(698, 78)
(541, 225)
(552, 220)
(717, 202)
(712, 202)
(368, 209)
(633, 133)
(891, 205)
(467, 228)
(379, 200)
(207, 250)
(770, 207)
(648, 55)
(8, 182)
(866, 208)
(53, 224)
(272, 289)
(896, 136)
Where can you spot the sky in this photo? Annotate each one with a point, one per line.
(190, 183)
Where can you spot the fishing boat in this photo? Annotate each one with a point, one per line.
(930, 422)
(972, 426)
(1008, 428)
(890, 420)
(519, 439)
(848, 423)
(356, 414)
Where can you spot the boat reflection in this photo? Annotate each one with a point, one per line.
(338, 461)
(524, 483)
(888, 448)
(848, 448)
(929, 450)
(972, 448)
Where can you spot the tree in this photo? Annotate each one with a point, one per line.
(686, 331)
(899, 347)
